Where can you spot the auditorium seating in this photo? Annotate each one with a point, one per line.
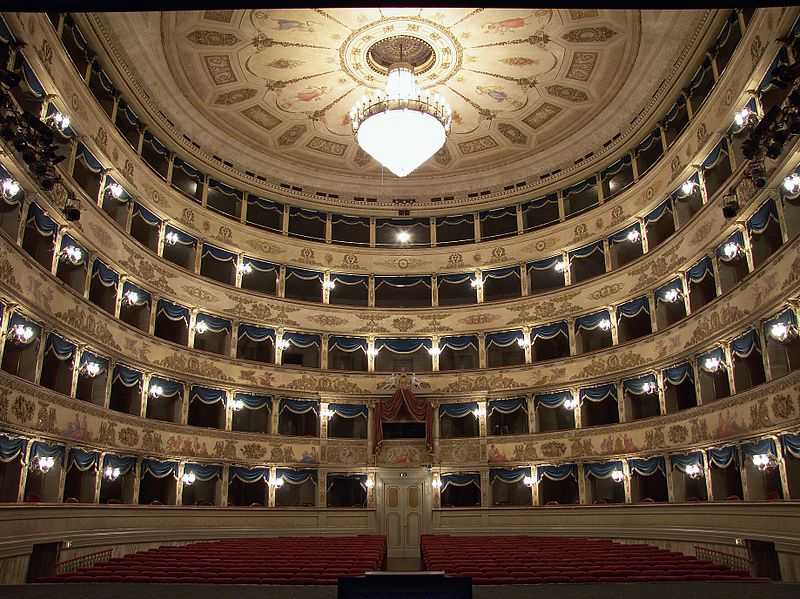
(535, 560)
(278, 560)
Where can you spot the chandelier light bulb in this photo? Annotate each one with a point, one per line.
(605, 324)
(688, 187)
(741, 117)
(91, 369)
(189, 478)
(403, 237)
(171, 238)
(283, 344)
(22, 333)
(61, 120)
(434, 351)
(779, 331)
(201, 326)
(731, 250)
(237, 405)
(370, 483)
(245, 268)
(633, 235)
(479, 411)
(131, 297)
(617, 476)
(477, 283)
(115, 189)
(372, 352)
(72, 254)
(671, 295)
(528, 481)
(44, 463)
(329, 285)
(326, 413)
(694, 471)
(571, 404)
(111, 473)
(156, 391)
(712, 364)
(10, 188)
(276, 482)
(559, 266)
(649, 388)
(763, 461)
(792, 183)
(523, 343)
(436, 483)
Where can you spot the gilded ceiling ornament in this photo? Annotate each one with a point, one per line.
(235, 96)
(291, 135)
(542, 115)
(570, 94)
(582, 65)
(212, 38)
(577, 14)
(475, 146)
(222, 16)
(512, 134)
(518, 61)
(327, 146)
(587, 35)
(285, 63)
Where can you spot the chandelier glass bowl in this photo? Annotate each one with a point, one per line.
(404, 125)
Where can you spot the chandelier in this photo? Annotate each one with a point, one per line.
(404, 125)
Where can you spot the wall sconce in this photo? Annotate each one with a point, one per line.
(605, 324)
(649, 388)
(326, 413)
(115, 190)
(780, 331)
(436, 483)
(617, 476)
(43, 464)
(171, 238)
(792, 183)
(10, 188)
(244, 268)
(731, 250)
(328, 285)
(156, 391)
(403, 237)
(91, 369)
(559, 266)
(479, 412)
(59, 121)
(189, 478)
(671, 295)
(111, 474)
(283, 344)
(22, 333)
(434, 351)
(688, 187)
(276, 482)
(633, 235)
(477, 282)
(763, 461)
(372, 352)
(131, 297)
(72, 254)
(237, 405)
(571, 403)
(201, 326)
(713, 364)
(523, 343)
(370, 483)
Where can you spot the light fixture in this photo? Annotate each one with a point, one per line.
(731, 250)
(528, 481)
(688, 187)
(434, 351)
(403, 237)
(22, 333)
(763, 461)
(742, 116)
(404, 125)
(283, 344)
(189, 478)
(326, 413)
(61, 121)
(479, 412)
(372, 352)
(780, 331)
(617, 476)
(111, 473)
(649, 387)
(244, 268)
(328, 285)
(72, 254)
(237, 405)
(712, 364)
(571, 404)
(671, 295)
(115, 189)
(276, 482)
(201, 326)
(156, 391)
(523, 343)
(477, 282)
(43, 463)
(370, 483)
(91, 369)
(559, 266)
(633, 235)
(694, 471)
(131, 297)
(792, 183)
(436, 483)
(171, 238)
(10, 188)
(604, 324)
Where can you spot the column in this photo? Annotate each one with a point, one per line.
(23, 220)
(714, 69)
(567, 269)
(729, 367)
(56, 250)
(184, 399)
(170, 167)
(372, 231)
(612, 316)
(685, 298)
(370, 433)
(651, 302)
(76, 366)
(278, 349)
(162, 233)
(179, 484)
(434, 291)
(707, 475)
(40, 355)
(762, 343)
(326, 292)
(526, 332)
(98, 481)
(481, 350)
(137, 480)
(715, 269)
(697, 387)
(578, 413)
(607, 254)
(62, 473)
(145, 395)
(670, 481)
(781, 220)
(626, 481)
(192, 325)
(370, 354)
(109, 383)
(635, 170)
(743, 474)
(371, 291)
(781, 467)
(229, 395)
(322, 488)
(523, 279)
(87, 278)
(435, 354)
(225, 482)
(535, 488)
(285, 220)
(433, 231)
(573, 342)
(561, 211)
(662, 400)
(482, 418)
(328, 228)
(4, 321)
(198, 256)
(281, 282)
(271, 475)
(243, 211)
(664, 144)
(275, 416)
(151, 325)
(689, 110)
(621, 408)
(531, 414)
(234, 339)
(23, 472)
(325, 339)
(485, 489)
(583, 496)
(520, 220)
(479, 289)
(476, 221)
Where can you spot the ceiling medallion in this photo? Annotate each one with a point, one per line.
(403, 126)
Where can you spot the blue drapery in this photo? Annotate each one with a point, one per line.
(459, 343)
(406, 224)
(87, 356)
(509, 476)
(557, 473)
(224, 189)
(781, 60)
(460, 480)
(402, 282)
(458, 410)
(508, 406)
(759, 222)
(586, 251)
(682, 461)
(598, 393)
(104, 275)
(546, 264)
(639, 385)
(503, 339)
(616, 167)
(260, 265)
(67, 241)
(249, 475)
(125, 463)
(678, 194)
(633, 308)
(736, 238)
(11, 448)
(579, 187)
(675, 111)
(265, 204)
(350, 280)
(159, 469)
(5, 33)
(622, 236)
(764, 446)
(130, 115)
(182, 238)
(648, 141)
(145, 215)
(717, 353)
(454, 221)
(699, 77)
(127, 377)
(647, 467)
(17, 318)
(303, 275)
(31, 79)
(661, 292)
(252, 401)
(301, 340)
(745, 344)
(155, 144)
(170, 388)
(347, 344)
(83, 460)
(552, 400)
(207, 395)
(204, 472)
(296, 477)
(663, 209)
(347, 410)
(215, 323)
(786, 317)
(46, 226)
(40, 449)
(722, 457)
(350, 221)
(60, 348)
(403, 346)
(332, 477)
(307, 214)
(174, 312)
(498, 213)
(144, 297)
(454, 279)
(256, 334)
(86, 156)
(602, 470)
(502, 273)
(539, 203)
(590, 322)
(700, 271)
(550, 331)
(218, 254)
(299, 406)
(719, 153)
(791, 444)
(189, 170)
(675, 375)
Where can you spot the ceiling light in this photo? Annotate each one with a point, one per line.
(171, 238)
(617, 476)
(403, 237)
(404, 126)
(633, 235)
(688, 187)
(792, 183)
(111, 473)
(10, 188)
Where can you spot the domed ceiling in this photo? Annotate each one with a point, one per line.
(271, 90)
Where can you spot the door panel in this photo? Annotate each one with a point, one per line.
(403, 516)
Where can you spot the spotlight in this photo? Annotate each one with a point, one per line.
(730, 206)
